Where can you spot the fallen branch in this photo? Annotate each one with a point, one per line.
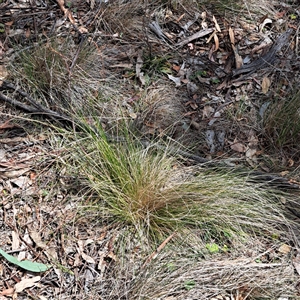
(267, 59)
(35, 107)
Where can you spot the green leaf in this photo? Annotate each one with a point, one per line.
(225, 248)
(212, 248)
(215, 80)
(25, 264)
(171, 266)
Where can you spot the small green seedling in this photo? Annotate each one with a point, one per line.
(189, 284)
(212, 248)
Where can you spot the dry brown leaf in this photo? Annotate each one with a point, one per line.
(7, 292)
(265, 22)
(238, 147)
(138, 68)
(26, 283)
(216, 42)
(66, 11)
(216, 24)
(32, 175)
(211, 36)
(8, 24)
(207, 111)
(27, 33)
(36, 237)
(251, 150)
(22, 182)
(192, 104)
(14, 174)
(179, 19)
(88, 258)
(61, 4)
(285, 249)
(15, 241)
(3, 73)
(266, 83)
(280, 14)
(291, 162)
(238, 59)
(177, 80)
(195, 124)
(185, 81)
(296, 263)
(82, 29)
(6, 124)
(231, 36)
(176, 68)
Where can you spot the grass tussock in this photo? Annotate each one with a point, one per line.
(58, 73)
(282, 126)
(147, 189)
(161, 113)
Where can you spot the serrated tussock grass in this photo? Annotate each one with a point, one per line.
(148, 189)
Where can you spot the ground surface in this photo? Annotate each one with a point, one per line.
(150, 65)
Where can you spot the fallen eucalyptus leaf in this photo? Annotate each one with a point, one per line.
(25, 264)
(26, 283)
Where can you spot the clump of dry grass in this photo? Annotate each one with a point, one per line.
(281, 123)
(161, 113)
(57, 73)
(147, 189)
(253, 269)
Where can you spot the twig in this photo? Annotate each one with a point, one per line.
(161, 246)
(195, 36)
(154, 26)
(18, 104)
(36, 108)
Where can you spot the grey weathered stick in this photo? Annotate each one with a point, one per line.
(197, 35)
(154, 26)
